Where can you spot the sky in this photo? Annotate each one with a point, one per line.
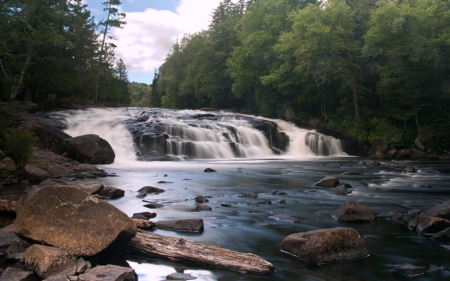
(152, 28)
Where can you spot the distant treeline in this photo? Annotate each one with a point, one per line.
(53, 50)
(377, 69)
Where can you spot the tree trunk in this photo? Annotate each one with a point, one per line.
(180, 249)
(417, 122)
(101, 56)
(355, 101)
(16, 88)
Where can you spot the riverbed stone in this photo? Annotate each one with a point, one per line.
(202, 207)
(412, 270)
(442, 210)
(427, 224)
(78, 222)
(201, 199)
(47, 261)
(17, 249)
(7, 206)
(443, 235)
(109, 273)
(153, 205)
(35, 174)
(326, 245)
(249, 195)
(182, 225)
(180, 276)
(110, 192)
(88, 148)
(150, 189)
(145, 215)
(354, 211)
(17, 274)
(209, 170)
(328, 182)
(143, 223)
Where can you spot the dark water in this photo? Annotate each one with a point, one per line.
(381, 188)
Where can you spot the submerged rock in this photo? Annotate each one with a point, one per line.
(183, 225)
(421, 185)
(249, 195)
(326, 245)
(354, 211)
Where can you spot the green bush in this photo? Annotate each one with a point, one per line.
(18, 144)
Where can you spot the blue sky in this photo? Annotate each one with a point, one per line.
(152, 28)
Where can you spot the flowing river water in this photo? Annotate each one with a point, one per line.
(256, 168)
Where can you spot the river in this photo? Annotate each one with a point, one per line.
(383, 188)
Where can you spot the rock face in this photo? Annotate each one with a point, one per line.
(78, 222)
(326, 245)
(109, 273)
(185, 225)
(354, 211)
(47, 261)
(88, 149)
(35, 174)
(328, 182)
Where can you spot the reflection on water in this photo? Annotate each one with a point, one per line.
(151, 272)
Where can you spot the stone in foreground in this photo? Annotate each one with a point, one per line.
(326, 245)
(411, 270)
(78, 222)
(354, 211)
(109, 273)
(183, 225)
(47, 261)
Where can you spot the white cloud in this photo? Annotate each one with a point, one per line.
(146, 39)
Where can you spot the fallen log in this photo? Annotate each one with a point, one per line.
(181, 249)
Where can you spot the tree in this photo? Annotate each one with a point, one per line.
(114, 19)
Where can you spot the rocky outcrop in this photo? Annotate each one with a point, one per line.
(88, 149)
(183, 225)
(354, 211)
(47, 261)
(75, 219)
(326, 245)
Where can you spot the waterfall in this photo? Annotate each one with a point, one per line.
(163, 134)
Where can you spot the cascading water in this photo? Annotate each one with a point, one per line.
(161, 134)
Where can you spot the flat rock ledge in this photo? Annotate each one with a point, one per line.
(183, 250)
(326, 245)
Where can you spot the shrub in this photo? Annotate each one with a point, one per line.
(18, 145)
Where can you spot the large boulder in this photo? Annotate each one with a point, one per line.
(70, 219)
(109, 273)
(35, 174)
(47, 261)
(88, 149)
(354, 211)
(326, 245)
(441, 210)
(48, 135)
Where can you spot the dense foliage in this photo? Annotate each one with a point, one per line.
(378, 69)
(50, 50)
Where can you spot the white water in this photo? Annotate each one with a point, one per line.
(227, 137)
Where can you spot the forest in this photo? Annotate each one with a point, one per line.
(376, 70)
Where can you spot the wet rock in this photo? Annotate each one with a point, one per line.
(281, 201)
(225, 205)
(443, 235)
(49, 182)
(377, 155)
(426, 224)
(143, 224)
(153, 205)
(419, 154)
(411, 270)
(9, 164)
(265, 202)
(209, 170)
(421, 185)
(183, 225)
(80, 223)
(342, 188)
(35, 174)
(369, 163)
(249, 195)
(165, 182)
(352, 173)
(396, 216)
(409, 170)
(353, 211)
(109, 272)
(201, 199)
(47, 261)
(82, 265)
(88, 149)
(17, 249)
(17, 274)
(202, 207)
(326, 245)
(328, 182)
(111, 193)
(144, 215)
(7, 206)
(7, 236)
(441, 210)
(285, 218)
(180, 276)
(150, 189)
(279, 192)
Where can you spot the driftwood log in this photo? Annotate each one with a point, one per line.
(181, 249)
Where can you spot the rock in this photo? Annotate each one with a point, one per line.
(47, 261)
(111, 193)
(109, 273)
(180, 276)
(289, 113)
(328, 182)
(56, 278)
(403, 153)
(183, 225)
(146, 215)
(409, 170)
(285, 218)
(265, 202)
(150, 189)
(411, 270)
(396, 216)
(225, 204)
(249, 195)
(443, 235)
(35, 174)
(209, 170)
(421, 185)
(313, 123)
(429, 171)
(7, 236)
(7, 206)
(16, 274)
(50, 182)
(351, 173)
(88, 149)
(326, 245)
(48, 133)
(353, 211)
(17, 249)
(201, 199)
(202, 207)
(281, 201)
(441, 210)
(418, 154)
(255, 211)
(153, 144)
(9, 164)
(143, 224)
(12, 195)
(79, 222)
(82, 265)
(377, 155)
(153, 205)
(426, 224)
(90, 187)
(278, 192)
